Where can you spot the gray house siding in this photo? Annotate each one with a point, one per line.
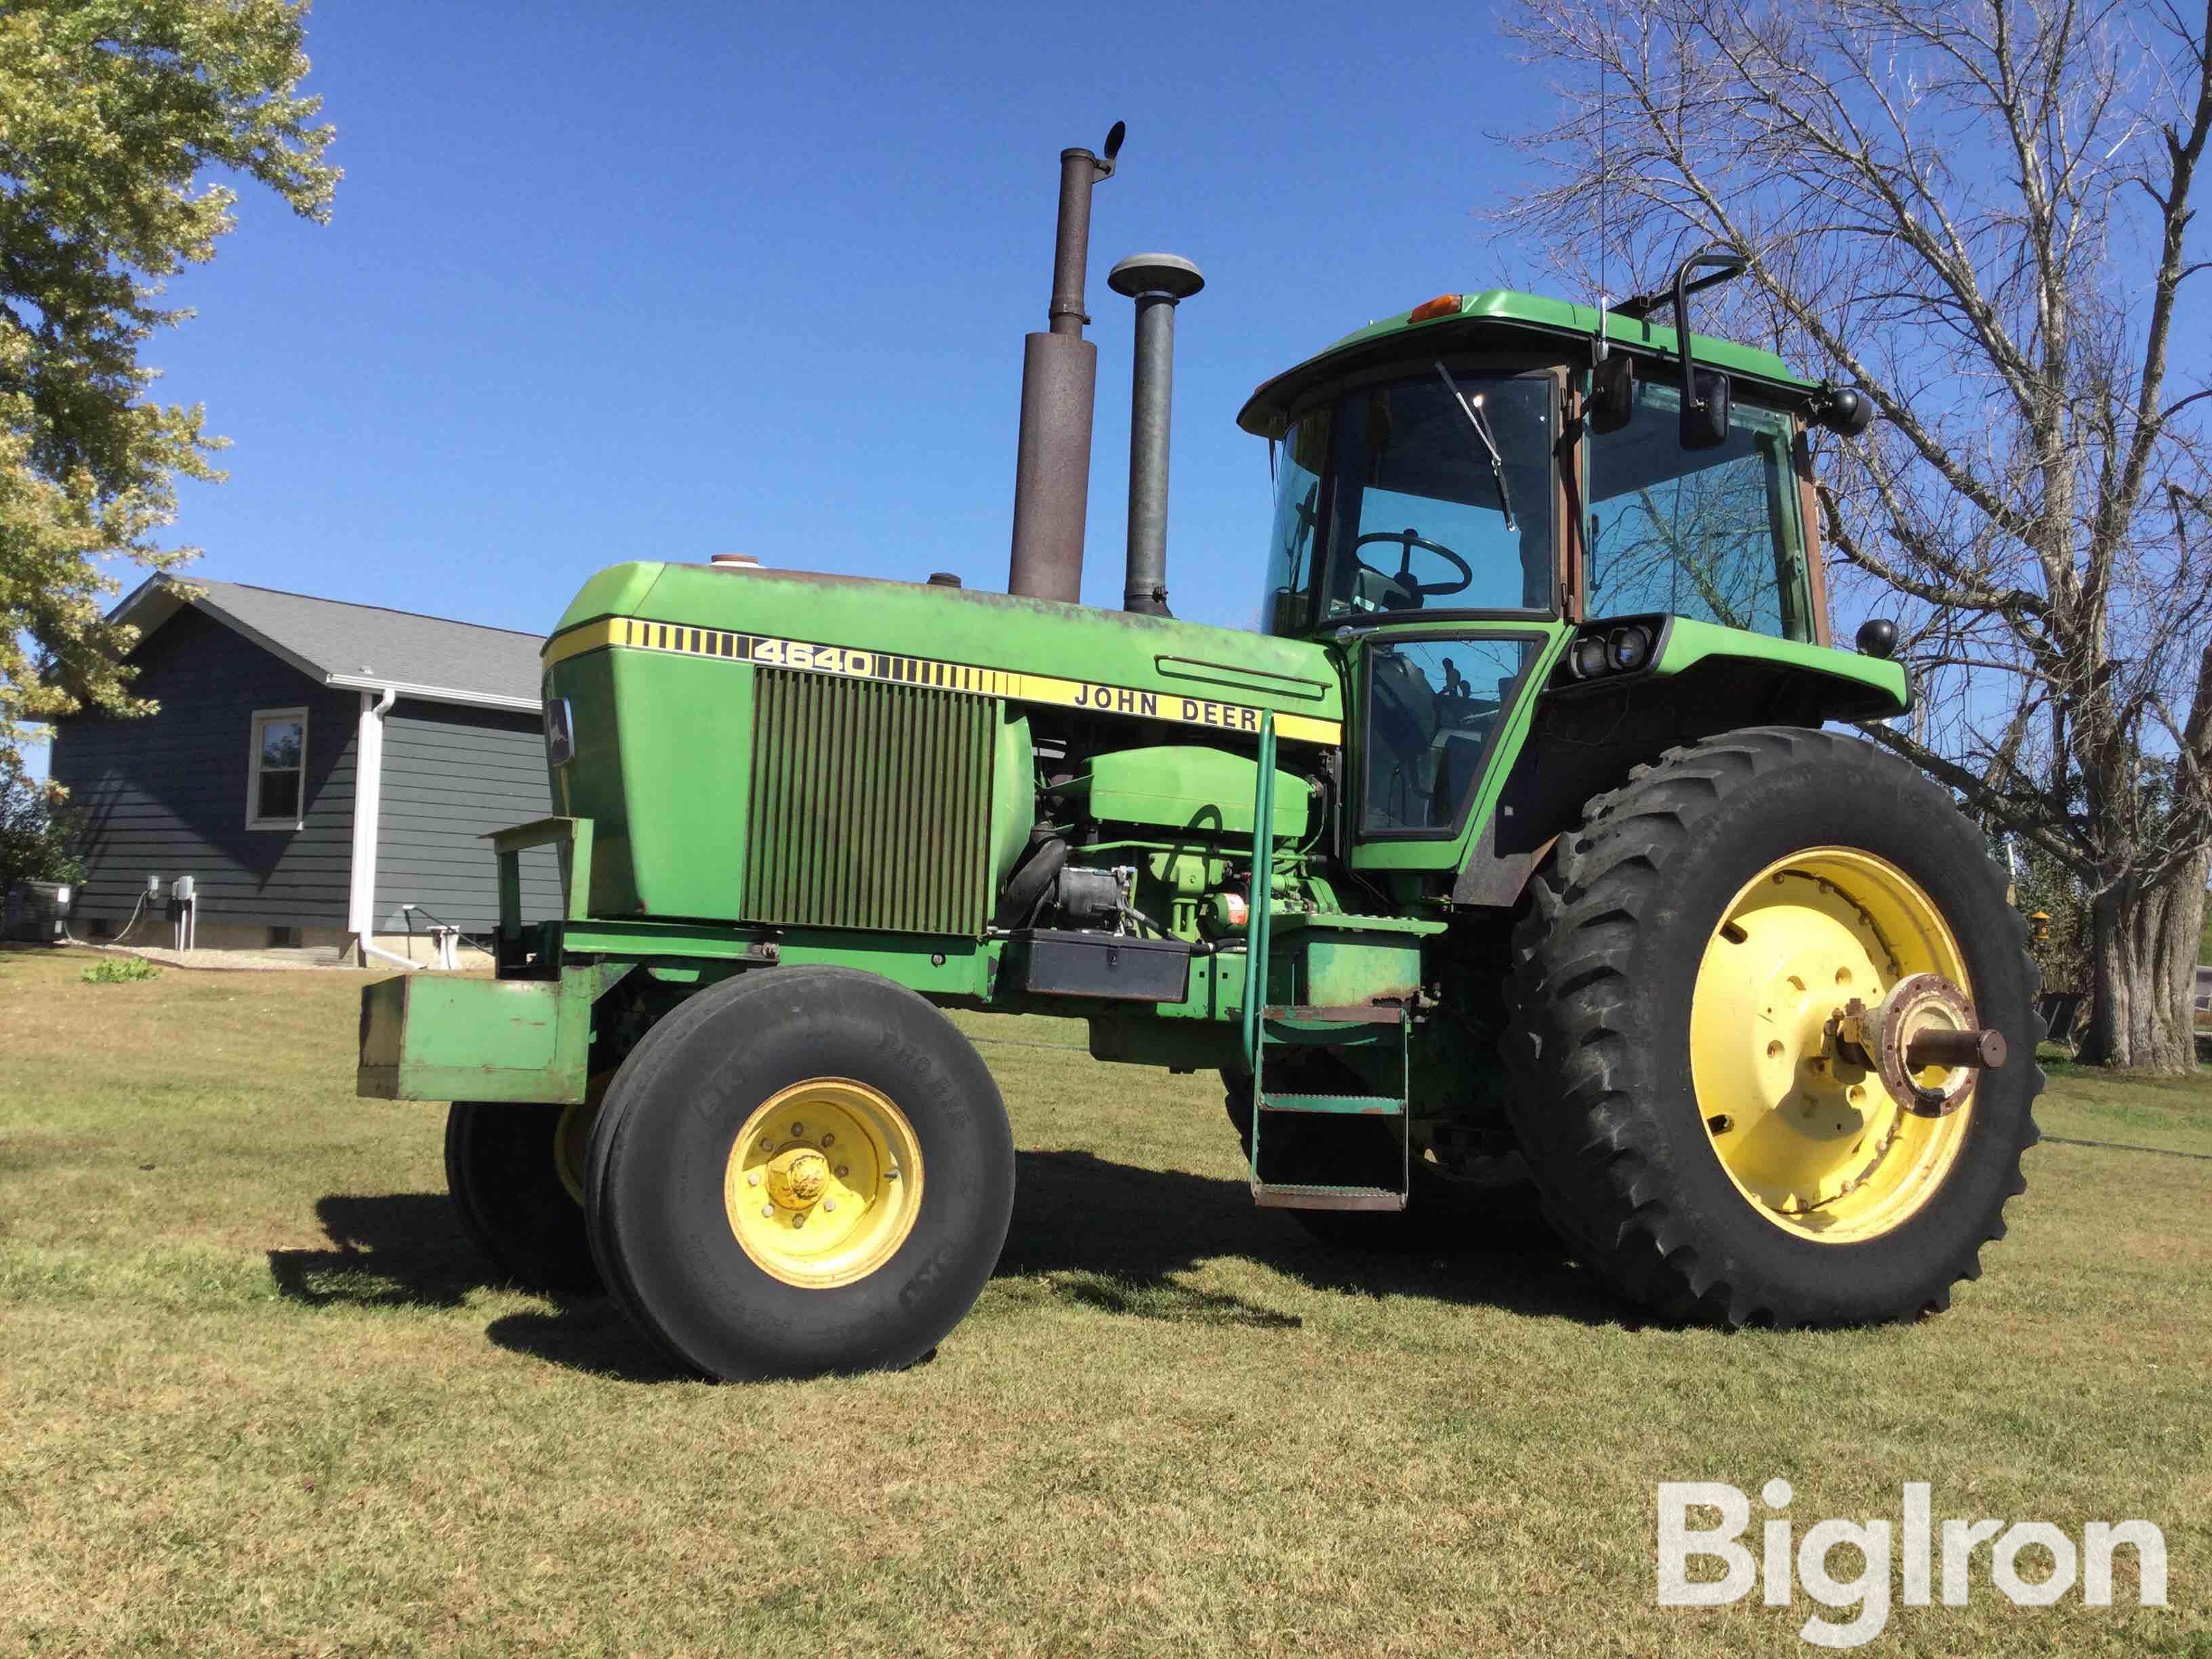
(452, 776)
(166, 795)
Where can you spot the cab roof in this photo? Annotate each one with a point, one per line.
(1504, 316)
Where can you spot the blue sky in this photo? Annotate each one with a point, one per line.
(658, 281)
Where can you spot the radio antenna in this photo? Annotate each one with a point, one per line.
(1604, 178)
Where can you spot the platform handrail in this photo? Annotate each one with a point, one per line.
(1261, 904)
(573, 838)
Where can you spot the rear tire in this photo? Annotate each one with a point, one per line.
(504, 1171)
(1611, 963)
(803, 1171)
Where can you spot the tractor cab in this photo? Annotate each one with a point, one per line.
(1495, 494)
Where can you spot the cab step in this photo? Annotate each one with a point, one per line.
(1358, 1027)
(1275, 1195)
(1347, 1105)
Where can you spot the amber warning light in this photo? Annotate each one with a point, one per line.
(1444, 305)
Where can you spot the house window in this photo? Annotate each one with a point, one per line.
(277, 773)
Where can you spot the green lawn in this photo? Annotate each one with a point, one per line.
(258, 1395)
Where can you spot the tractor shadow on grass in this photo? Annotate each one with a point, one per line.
(407, 1250)
(392, 1250)
(1116, 1237)
(1113, 1237)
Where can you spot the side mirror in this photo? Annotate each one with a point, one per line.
(1611, 398)
(1705, 419)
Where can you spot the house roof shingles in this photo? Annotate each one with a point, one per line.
(358, 645)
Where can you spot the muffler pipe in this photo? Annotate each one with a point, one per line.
(1158, 282)
(1060, 379)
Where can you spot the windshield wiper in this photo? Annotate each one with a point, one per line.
(1481, 422)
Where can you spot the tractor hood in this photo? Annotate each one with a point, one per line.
(1025, 649)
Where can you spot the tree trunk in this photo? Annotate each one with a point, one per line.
(2144, 971)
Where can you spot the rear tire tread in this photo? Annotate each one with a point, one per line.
(1580, 1068)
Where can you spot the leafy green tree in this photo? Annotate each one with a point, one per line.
(35, 842)
(119, 121)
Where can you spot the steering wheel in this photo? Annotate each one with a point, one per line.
(1407, 540)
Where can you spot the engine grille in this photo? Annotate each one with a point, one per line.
(870, 805)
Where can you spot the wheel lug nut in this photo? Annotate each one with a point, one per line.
(753, 1180)
(842, 1172)
(890, 1175)
(828, 1139)
(798, 1221)
(768, 1210)
(799, 1129)
(828, 1203)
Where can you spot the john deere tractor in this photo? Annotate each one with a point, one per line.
(1510, 877)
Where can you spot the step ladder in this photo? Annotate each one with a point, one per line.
(1294, 1027)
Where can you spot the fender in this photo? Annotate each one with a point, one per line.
(1702, 679)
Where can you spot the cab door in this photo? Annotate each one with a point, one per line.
(1432, 708)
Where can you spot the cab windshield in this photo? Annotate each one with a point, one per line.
(1390, 499)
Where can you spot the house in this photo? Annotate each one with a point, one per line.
(322, 771)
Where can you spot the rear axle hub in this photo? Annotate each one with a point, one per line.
(1922, 1040)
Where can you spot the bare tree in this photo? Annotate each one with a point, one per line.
(1980, 213)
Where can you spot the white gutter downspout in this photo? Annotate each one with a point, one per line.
(368, 809)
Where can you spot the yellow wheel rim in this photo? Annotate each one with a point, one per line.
(824, 1183)
(1817, 1143)
(572, 1135)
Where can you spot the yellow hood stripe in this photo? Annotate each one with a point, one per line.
(636, 634)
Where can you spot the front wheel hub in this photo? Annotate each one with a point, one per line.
(797, 1177)
(824, 1183)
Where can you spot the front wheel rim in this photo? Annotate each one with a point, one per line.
(1814, 1143)
(824, 1183)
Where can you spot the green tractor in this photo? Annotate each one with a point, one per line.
(1508, 877)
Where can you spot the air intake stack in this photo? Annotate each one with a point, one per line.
(1060, 379)
(1158, 282)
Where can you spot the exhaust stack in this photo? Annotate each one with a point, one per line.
(1158, 282)
(1060, 379)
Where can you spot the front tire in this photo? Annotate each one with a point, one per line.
(1684, 1107)
(514, 1171)
(804, 1171)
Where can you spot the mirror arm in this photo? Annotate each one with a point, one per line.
(1726, 265)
